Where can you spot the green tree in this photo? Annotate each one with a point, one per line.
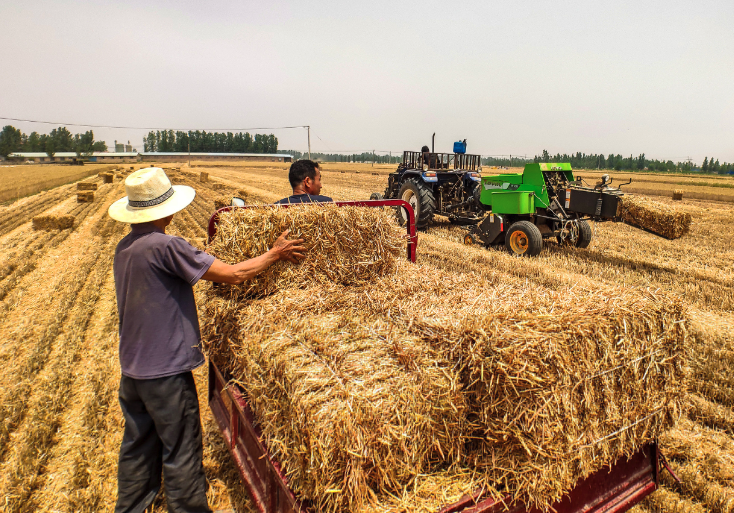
(84, 144)
(705, 165)
(10, 140)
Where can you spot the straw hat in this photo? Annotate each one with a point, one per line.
(150, 196)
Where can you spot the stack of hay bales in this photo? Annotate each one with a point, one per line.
(678, 194)
(52, 222)
(86, 186)
(85, 196)
(655, 217)
(531, 389)
(203, 177)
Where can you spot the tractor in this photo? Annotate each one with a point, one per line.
(519, 210)
(436, 184)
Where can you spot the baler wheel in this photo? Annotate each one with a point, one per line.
(524, 239)
(585, 234)
(469, 239)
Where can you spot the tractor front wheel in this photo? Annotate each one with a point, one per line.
(523, 239)
(421, 198)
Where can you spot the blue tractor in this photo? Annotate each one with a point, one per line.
(436, 184)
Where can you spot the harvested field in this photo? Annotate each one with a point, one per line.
(61, 422)
(19, 181)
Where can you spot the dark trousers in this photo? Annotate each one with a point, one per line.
(162, 436)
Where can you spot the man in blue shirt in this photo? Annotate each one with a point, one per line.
(305, 178)
(159, 343)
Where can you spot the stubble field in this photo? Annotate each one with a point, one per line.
(60, 420)
(19, 181)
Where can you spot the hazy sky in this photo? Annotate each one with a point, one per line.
(512, 77)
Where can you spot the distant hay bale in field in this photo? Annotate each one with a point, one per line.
(550, 386)
(51, 222)
(222, 201)
(655, 217)
(119, 176)
(203, 177)
(218, 186)
(108, 177)
(678, 194)
(86, 186)
(85, 197)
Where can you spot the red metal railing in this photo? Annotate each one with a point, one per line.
(410, 225)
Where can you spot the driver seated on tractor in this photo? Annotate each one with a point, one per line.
(428, 158)
(305, 178)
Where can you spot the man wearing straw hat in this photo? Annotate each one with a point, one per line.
(159, 338)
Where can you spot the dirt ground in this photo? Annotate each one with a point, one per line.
(60, 423)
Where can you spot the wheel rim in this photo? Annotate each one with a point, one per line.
(519, 242)
(468, 240)
(412, 200)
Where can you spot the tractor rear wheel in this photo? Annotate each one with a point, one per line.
(524, 239)
(421, 198)
(376, 196)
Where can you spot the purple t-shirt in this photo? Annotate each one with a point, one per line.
(159, 326)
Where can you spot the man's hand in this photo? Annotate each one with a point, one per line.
(283, 249)
(290, 250)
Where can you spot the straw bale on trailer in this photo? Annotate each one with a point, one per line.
(85, 197)
(349, 406)
(86, 186)
(549, 385)
(52, 222)
(346, 245)
(655, 217)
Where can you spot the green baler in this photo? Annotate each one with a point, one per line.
(544, 201)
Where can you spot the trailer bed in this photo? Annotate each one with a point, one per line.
(612, 490)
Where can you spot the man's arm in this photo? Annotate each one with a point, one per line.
(283, 249)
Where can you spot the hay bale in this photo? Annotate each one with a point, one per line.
(85, 197)
(108, 177)
(86, 186)
(218, 186)
(678, 194)
(361, 243)
(222, 201)
(347, 413)
(53, 222)
(203, 177)
(555, 384)
(654, 216)
(119, 176)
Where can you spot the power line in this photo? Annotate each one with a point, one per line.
(151, 128)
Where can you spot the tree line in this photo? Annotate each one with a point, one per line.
(619, 163)
(12, 140)
(209, 142)
(366, 156)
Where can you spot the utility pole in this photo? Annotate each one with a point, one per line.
(373, 158)
(309, 142)
(189, 152)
